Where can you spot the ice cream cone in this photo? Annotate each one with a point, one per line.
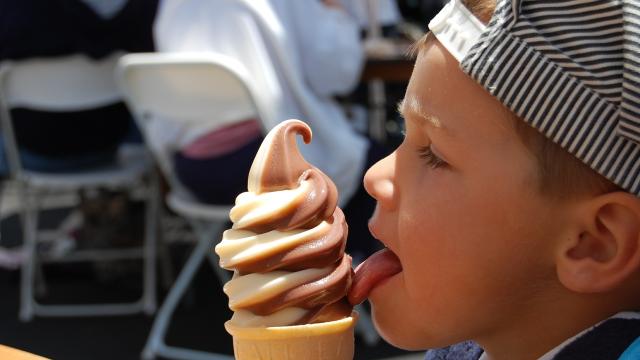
(322, 341)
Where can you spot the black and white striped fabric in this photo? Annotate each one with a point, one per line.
(570, 68)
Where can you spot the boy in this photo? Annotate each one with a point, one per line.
(510, 211)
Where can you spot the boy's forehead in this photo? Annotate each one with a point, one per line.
(442, 96)
(427, 84)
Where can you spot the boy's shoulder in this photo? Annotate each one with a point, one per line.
(607, 340)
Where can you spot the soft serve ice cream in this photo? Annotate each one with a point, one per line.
(286, 245)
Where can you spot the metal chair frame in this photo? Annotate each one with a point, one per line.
(82, 84)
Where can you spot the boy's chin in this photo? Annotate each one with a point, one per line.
(397, 326)
(393, 328)
(408, 338)
(402, 337)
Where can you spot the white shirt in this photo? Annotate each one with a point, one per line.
(298, 53)
(385, 11)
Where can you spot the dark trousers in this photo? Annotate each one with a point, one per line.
(217, 180)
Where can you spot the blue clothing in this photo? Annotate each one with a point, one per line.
(632, 352)
(56, 142)
(228, 172)
(607, 340)
(36, 162)
(72, 161)
(467, 350)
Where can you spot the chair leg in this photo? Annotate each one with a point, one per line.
(29, 231)
(167, 275)
(205, 231)
(214, 231)
(40, 281)
(155, 341)
(150, 248)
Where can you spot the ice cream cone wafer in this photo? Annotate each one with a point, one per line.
(331, 340)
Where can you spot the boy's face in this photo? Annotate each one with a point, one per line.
(472, 235)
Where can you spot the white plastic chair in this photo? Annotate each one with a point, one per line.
(69, 84)
(191, 89)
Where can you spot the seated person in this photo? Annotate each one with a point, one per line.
(62, 141)
(323, 48)
(230, 151)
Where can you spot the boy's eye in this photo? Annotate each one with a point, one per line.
(431, 159)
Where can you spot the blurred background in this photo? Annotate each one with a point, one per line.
(128, 128)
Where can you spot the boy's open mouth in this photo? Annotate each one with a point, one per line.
(378, 267)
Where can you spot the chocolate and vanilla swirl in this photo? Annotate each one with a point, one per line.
(286, 246)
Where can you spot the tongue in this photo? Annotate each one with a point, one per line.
(379, 266)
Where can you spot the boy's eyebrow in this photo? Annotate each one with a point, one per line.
(413, 106)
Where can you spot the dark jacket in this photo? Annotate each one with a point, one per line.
(605, 341)
(45, 28)
(51, 28)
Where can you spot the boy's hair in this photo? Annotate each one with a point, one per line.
(561, 175)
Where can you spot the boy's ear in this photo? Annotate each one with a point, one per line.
(604, 251)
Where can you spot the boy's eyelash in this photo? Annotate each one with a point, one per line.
(425, 153)
(430, 158)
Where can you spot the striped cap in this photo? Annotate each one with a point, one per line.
(570, 68)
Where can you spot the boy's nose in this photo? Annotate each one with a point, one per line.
(379, 182)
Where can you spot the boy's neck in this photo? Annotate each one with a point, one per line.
(537, 332)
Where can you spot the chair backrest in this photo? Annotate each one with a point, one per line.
(60, 84)
(68, 83)
(189, 87)
(192, 89)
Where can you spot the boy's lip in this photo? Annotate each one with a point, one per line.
(372, 220)
(374, 228)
